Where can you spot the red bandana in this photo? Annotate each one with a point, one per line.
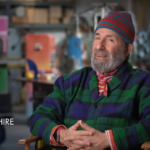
(103, 80)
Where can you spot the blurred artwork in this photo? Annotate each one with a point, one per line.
(40, 49)
(3, 34)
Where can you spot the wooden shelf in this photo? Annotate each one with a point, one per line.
(11, 3)
(37, 3)
(41, 26)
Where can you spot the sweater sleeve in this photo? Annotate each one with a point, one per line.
(57, 129)
(110, 137)
(50, 114)
(131, 137)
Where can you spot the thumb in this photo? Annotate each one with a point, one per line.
(85, 126)
(75, 126)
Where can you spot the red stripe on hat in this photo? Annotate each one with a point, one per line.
(119, 25)
(119, 14)
(123, 23)
(126, 13)
(107, 25)
(122, 18)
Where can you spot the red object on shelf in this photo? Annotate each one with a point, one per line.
(40, 48)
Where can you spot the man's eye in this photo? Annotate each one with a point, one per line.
(111, 40)
(97, 38)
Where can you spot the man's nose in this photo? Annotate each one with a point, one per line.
(100, 44)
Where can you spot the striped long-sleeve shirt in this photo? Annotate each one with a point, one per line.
(125, 111)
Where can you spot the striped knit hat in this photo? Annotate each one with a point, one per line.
(121, 23)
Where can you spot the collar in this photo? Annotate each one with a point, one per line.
(122, 73)
(106, 76)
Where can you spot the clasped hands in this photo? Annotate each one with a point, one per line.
(87, 139)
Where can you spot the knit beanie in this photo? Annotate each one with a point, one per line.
(121, 23)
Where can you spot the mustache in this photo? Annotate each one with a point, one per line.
(101, 52)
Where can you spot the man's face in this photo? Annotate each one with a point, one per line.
(108, 51)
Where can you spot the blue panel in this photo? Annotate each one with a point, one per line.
(75, 50)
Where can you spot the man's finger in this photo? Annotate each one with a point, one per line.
(75, 126)
(81, 143)
(83, 133)
(75, 137)
(85, 126)
(75, 147)
(78, 135)
(70, 138)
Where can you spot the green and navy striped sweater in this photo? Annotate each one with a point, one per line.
(125, 111)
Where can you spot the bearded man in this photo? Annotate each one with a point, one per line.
(106, 106)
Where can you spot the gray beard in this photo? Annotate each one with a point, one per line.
(104, 66)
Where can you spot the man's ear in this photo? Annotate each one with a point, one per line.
(128, 49)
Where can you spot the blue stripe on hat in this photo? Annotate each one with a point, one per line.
(116, 28)
(126, 16)
(130, 42)
(122, 21)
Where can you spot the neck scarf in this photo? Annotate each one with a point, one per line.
(103, 79)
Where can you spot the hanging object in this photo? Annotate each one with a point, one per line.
(101, 10)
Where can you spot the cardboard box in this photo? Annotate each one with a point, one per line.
(69, 12)
(54, 20)
(55, 12)
(41, 15)
(15, 19)
(66, 20)
(30, 14)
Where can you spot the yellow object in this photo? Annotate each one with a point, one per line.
(30, 75)
(40, 144)
(134, 67)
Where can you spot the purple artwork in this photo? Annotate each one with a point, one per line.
(4, 32)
